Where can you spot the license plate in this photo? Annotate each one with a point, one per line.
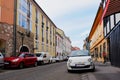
(80, 65)
(6, 63)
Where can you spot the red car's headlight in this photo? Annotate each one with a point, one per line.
(15, 60)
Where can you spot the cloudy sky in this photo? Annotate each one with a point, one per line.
(74, 17)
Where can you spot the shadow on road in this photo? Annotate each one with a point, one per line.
(102, 64)
(81, 71)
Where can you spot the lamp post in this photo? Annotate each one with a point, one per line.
(22, 39)
(22, 35)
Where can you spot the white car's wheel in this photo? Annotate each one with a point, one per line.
(93, 69)
(69, 70)
(35, 64)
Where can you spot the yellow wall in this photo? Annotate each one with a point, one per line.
(97, 41)
(51, 48)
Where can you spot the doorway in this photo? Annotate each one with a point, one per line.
(24, 49)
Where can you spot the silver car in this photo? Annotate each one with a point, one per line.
(1, 60)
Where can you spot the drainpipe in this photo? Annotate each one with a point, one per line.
(14, 27)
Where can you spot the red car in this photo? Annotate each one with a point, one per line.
(24, 59)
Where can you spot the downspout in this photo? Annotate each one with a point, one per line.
(14, 27)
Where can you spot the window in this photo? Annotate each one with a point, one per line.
(117, 17)
(105, 31)
(50, 34)
(42, 28)
(104, 3)
(104, 47)
(112, 21)
(31, 10)
(100, 50)
(36, 32)
(30, 25)
(23, 6)
(23, 21)
(47, 32)
(107, 25)
(42, 34)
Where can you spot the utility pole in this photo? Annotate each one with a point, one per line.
(14, 28)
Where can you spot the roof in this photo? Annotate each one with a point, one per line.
(96, 21)
(114, 7)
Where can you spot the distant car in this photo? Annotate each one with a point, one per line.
(1, 60)
(65, 58)
(43, 57)
(80, 60)
(22, 60)
(52, 59)
(59, 58)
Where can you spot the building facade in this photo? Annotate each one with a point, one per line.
(31, 30)
(112, 29)
(67, 46)
(59, 43)
(63, 43)
(7, 30)
(98, 44)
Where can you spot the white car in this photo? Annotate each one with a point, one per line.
(52, 59)
(80, 60)
(59, 58)
(1, 60)
(43, 57)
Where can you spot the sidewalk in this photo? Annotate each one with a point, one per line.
(105, 72)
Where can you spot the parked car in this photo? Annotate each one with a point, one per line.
(1, 60)
(43, 57)
(59, 58)
(22, 60)
(65, 58)
(52, 59)
(80, 60)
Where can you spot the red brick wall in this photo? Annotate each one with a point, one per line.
(7, 11)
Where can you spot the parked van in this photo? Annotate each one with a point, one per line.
(43, 57)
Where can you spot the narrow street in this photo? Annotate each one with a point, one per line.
(57, 71)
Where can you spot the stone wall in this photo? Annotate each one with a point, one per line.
(28, 40)
(6, 35)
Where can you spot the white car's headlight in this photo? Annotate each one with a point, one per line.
(70, 61)
(90, 59)
(15, 60)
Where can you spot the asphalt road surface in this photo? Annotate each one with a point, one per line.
(58, 71)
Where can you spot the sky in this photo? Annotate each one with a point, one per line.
(74, 17)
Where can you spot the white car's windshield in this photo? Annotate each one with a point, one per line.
(38, 55)
(79, 53)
